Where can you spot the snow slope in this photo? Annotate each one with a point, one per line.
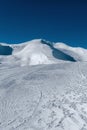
(78, 53)
(48, 91)
(40, 51)
(44, 97)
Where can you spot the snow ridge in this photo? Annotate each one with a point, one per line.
(40, 51)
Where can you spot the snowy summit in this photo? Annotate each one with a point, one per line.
(40, 52)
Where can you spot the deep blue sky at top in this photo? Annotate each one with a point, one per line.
(53, 20)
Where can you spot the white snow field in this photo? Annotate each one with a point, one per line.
(43, 86)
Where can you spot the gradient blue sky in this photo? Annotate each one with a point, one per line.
(53, 20)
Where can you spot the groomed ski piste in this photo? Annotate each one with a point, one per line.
(43, 86)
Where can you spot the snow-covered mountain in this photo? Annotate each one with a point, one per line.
(40, 52)
(51, 94)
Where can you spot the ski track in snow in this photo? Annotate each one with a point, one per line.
(47, 97)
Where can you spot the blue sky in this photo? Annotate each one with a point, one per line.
(53, 20)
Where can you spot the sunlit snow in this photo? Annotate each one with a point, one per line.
(43, 86)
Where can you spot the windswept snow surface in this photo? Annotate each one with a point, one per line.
(43, 86)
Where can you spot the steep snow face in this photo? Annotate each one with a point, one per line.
(40, 51)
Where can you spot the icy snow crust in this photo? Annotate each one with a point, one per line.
(42, 87)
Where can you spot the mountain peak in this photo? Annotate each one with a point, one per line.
(40, 51)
